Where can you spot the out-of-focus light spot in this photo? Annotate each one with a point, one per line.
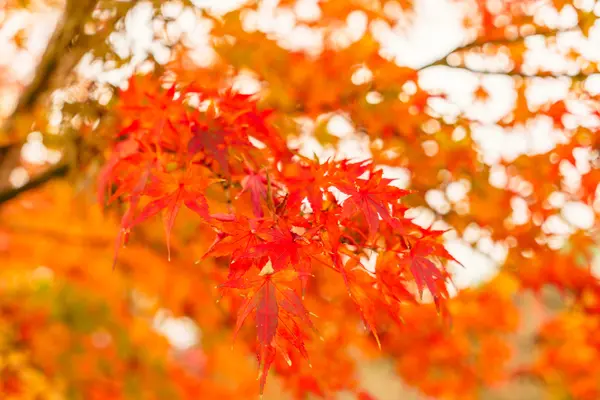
(430, 147)
(34, 152)
(472, 233)
(557, 199)
(284, 23)
(354, 147)
(374, 98)
(35, 136)
(246, 84)
(42, 273)
(303, 38)
(457, 191)
(572, 177)
(101, 339)
(556, 225)
(219, 7)
(579, 215)
(401, 176)
(307, 10)
(409, 88)
(182, 333)
(305, 206)
(362, 75)
(478, 267)
(340, 196)
(520, 214)
(498, 177)
(432, 126)
(392, 10)
(370, 261)
(256, 143)
(339, 126)
(161, 53)
(485, 245)
(459, 134)
(421, 216)
(357, 24)
(249, 21)
(54, 156)
(18, 177)
(437, 200)
(403, 97)
(172, 9)
(454, 60)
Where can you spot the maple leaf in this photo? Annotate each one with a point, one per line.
(371, 197)
(122, 150)
(236, 238)
(128, 217)
(256, 184)
(265, 356)
(425, 272)
(170, 192)
(212, 143)
(283, 247)
(268, 297)
(389, 279)
(310, 179)
(359, 284)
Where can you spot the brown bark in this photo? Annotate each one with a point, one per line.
(60, 57)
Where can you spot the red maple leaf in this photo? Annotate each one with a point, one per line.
(275, 307)
(170, 191)
(425, 272)
(283, 247)
(236, 238)
(255, 183)
(371, 197)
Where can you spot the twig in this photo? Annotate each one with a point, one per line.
(575, 77)
(442, 61)
(56, 172)
(57, 61)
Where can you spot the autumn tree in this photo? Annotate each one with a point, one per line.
(195, 193)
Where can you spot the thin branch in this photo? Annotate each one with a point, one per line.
(479, 42)
(56, 172)
(56, 63)
(575, 77)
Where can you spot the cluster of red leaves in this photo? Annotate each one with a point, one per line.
(185, 146)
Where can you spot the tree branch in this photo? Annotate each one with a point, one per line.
(575, 77)
(56, 172)
(64, 51)
(479, 42)
(57, 62)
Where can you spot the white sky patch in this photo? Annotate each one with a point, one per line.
(400, 175)
(246, 83)
(221, 7)
(182, 333)
(478, 269)
(340, 126)
(579, 215)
